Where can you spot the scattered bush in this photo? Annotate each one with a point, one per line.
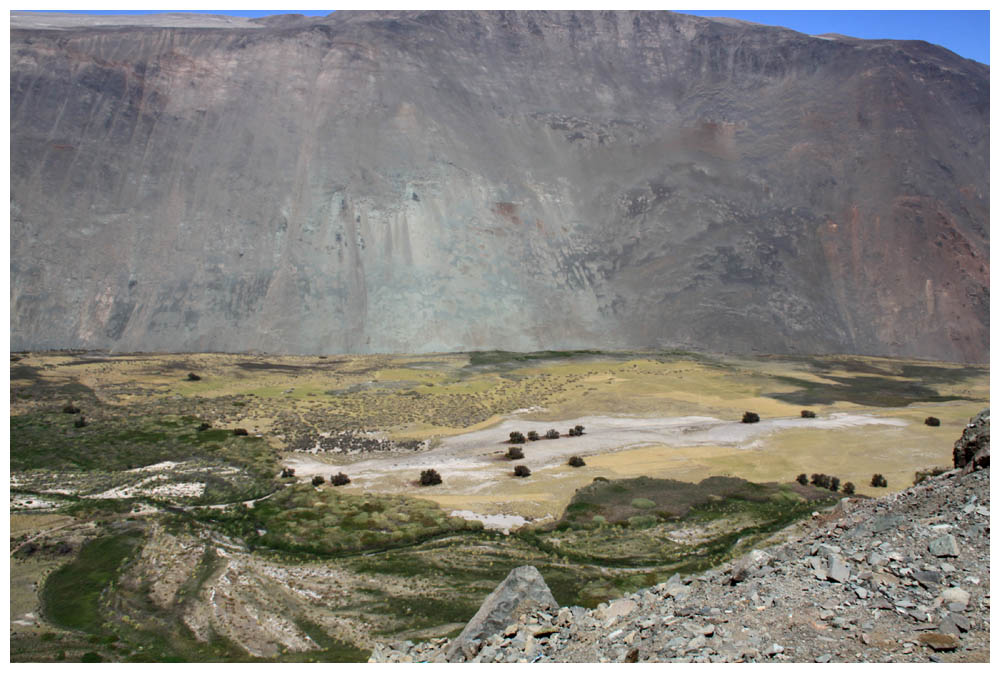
(70, 409)
(802, 479)
(516, 438)
(429, 478)
(920, 475)
(579, 430)
(834, 484)
(204, 426)
(750, 417)
(288, 472)
(80, 422)
(643, 503)
(849, 488)
(820, 480)
(515, 453)
(318, 480)
(521, 471)
(576, 461)
(808, 414)
(532, 436)
(879, 481)
(241, 432)
(932, 421)
(552, 434)
(340, 479)
(193, 377)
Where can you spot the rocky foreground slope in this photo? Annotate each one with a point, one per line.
(903, 578)
(441, 181)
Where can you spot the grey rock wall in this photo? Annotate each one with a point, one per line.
(372, 182)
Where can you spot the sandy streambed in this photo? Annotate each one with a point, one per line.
(478, 477)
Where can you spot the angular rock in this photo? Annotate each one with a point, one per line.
(944, 545)
(939, 641)
(955, 595)
(837, 570)
(523, 590)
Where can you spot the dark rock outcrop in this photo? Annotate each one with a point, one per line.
(432, 181)
(972, 450)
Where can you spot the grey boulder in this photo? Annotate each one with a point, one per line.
(523, 590)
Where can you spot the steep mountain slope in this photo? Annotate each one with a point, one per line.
(410, 181)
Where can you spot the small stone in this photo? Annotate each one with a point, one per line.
(838, 570)
(927, 577)
(510, 631)
(861, 592)
(774, 649)
(955, 595)
(939, 641)
(823, 658)
(948, 568)
(695, 643)
(944, 545)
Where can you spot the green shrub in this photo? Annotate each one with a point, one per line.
(643, 521)
(932, 421)
(552, 434)
(576, 461)
(879, 481)
(849, 488)
(643, 503)
(750, 417)
(515, 453)
(532, 436)
(522, 471)
(808, 414)
(802, 479)
(318, 480)
(340, 479)
(516, 438)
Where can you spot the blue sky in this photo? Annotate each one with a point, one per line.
(966, 33)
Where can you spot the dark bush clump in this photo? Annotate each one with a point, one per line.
(317, 480)
(240, 432)
(750, 417)
(802, 479)
(821, 480)
(878, 481)
(340, 479)
(521, 471)
(204, 426)
(287, 473)
(532, 436)
(932, 421)
(429, 478)
(70, 409)
(552, 434)
(576, 461)
(516, 438)
(849, 488)
(579, 430)
(808, 414)
(834, 484)
(80, 422)
(193, 377)
(515, 453)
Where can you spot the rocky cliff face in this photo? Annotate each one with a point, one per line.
(453, 181)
